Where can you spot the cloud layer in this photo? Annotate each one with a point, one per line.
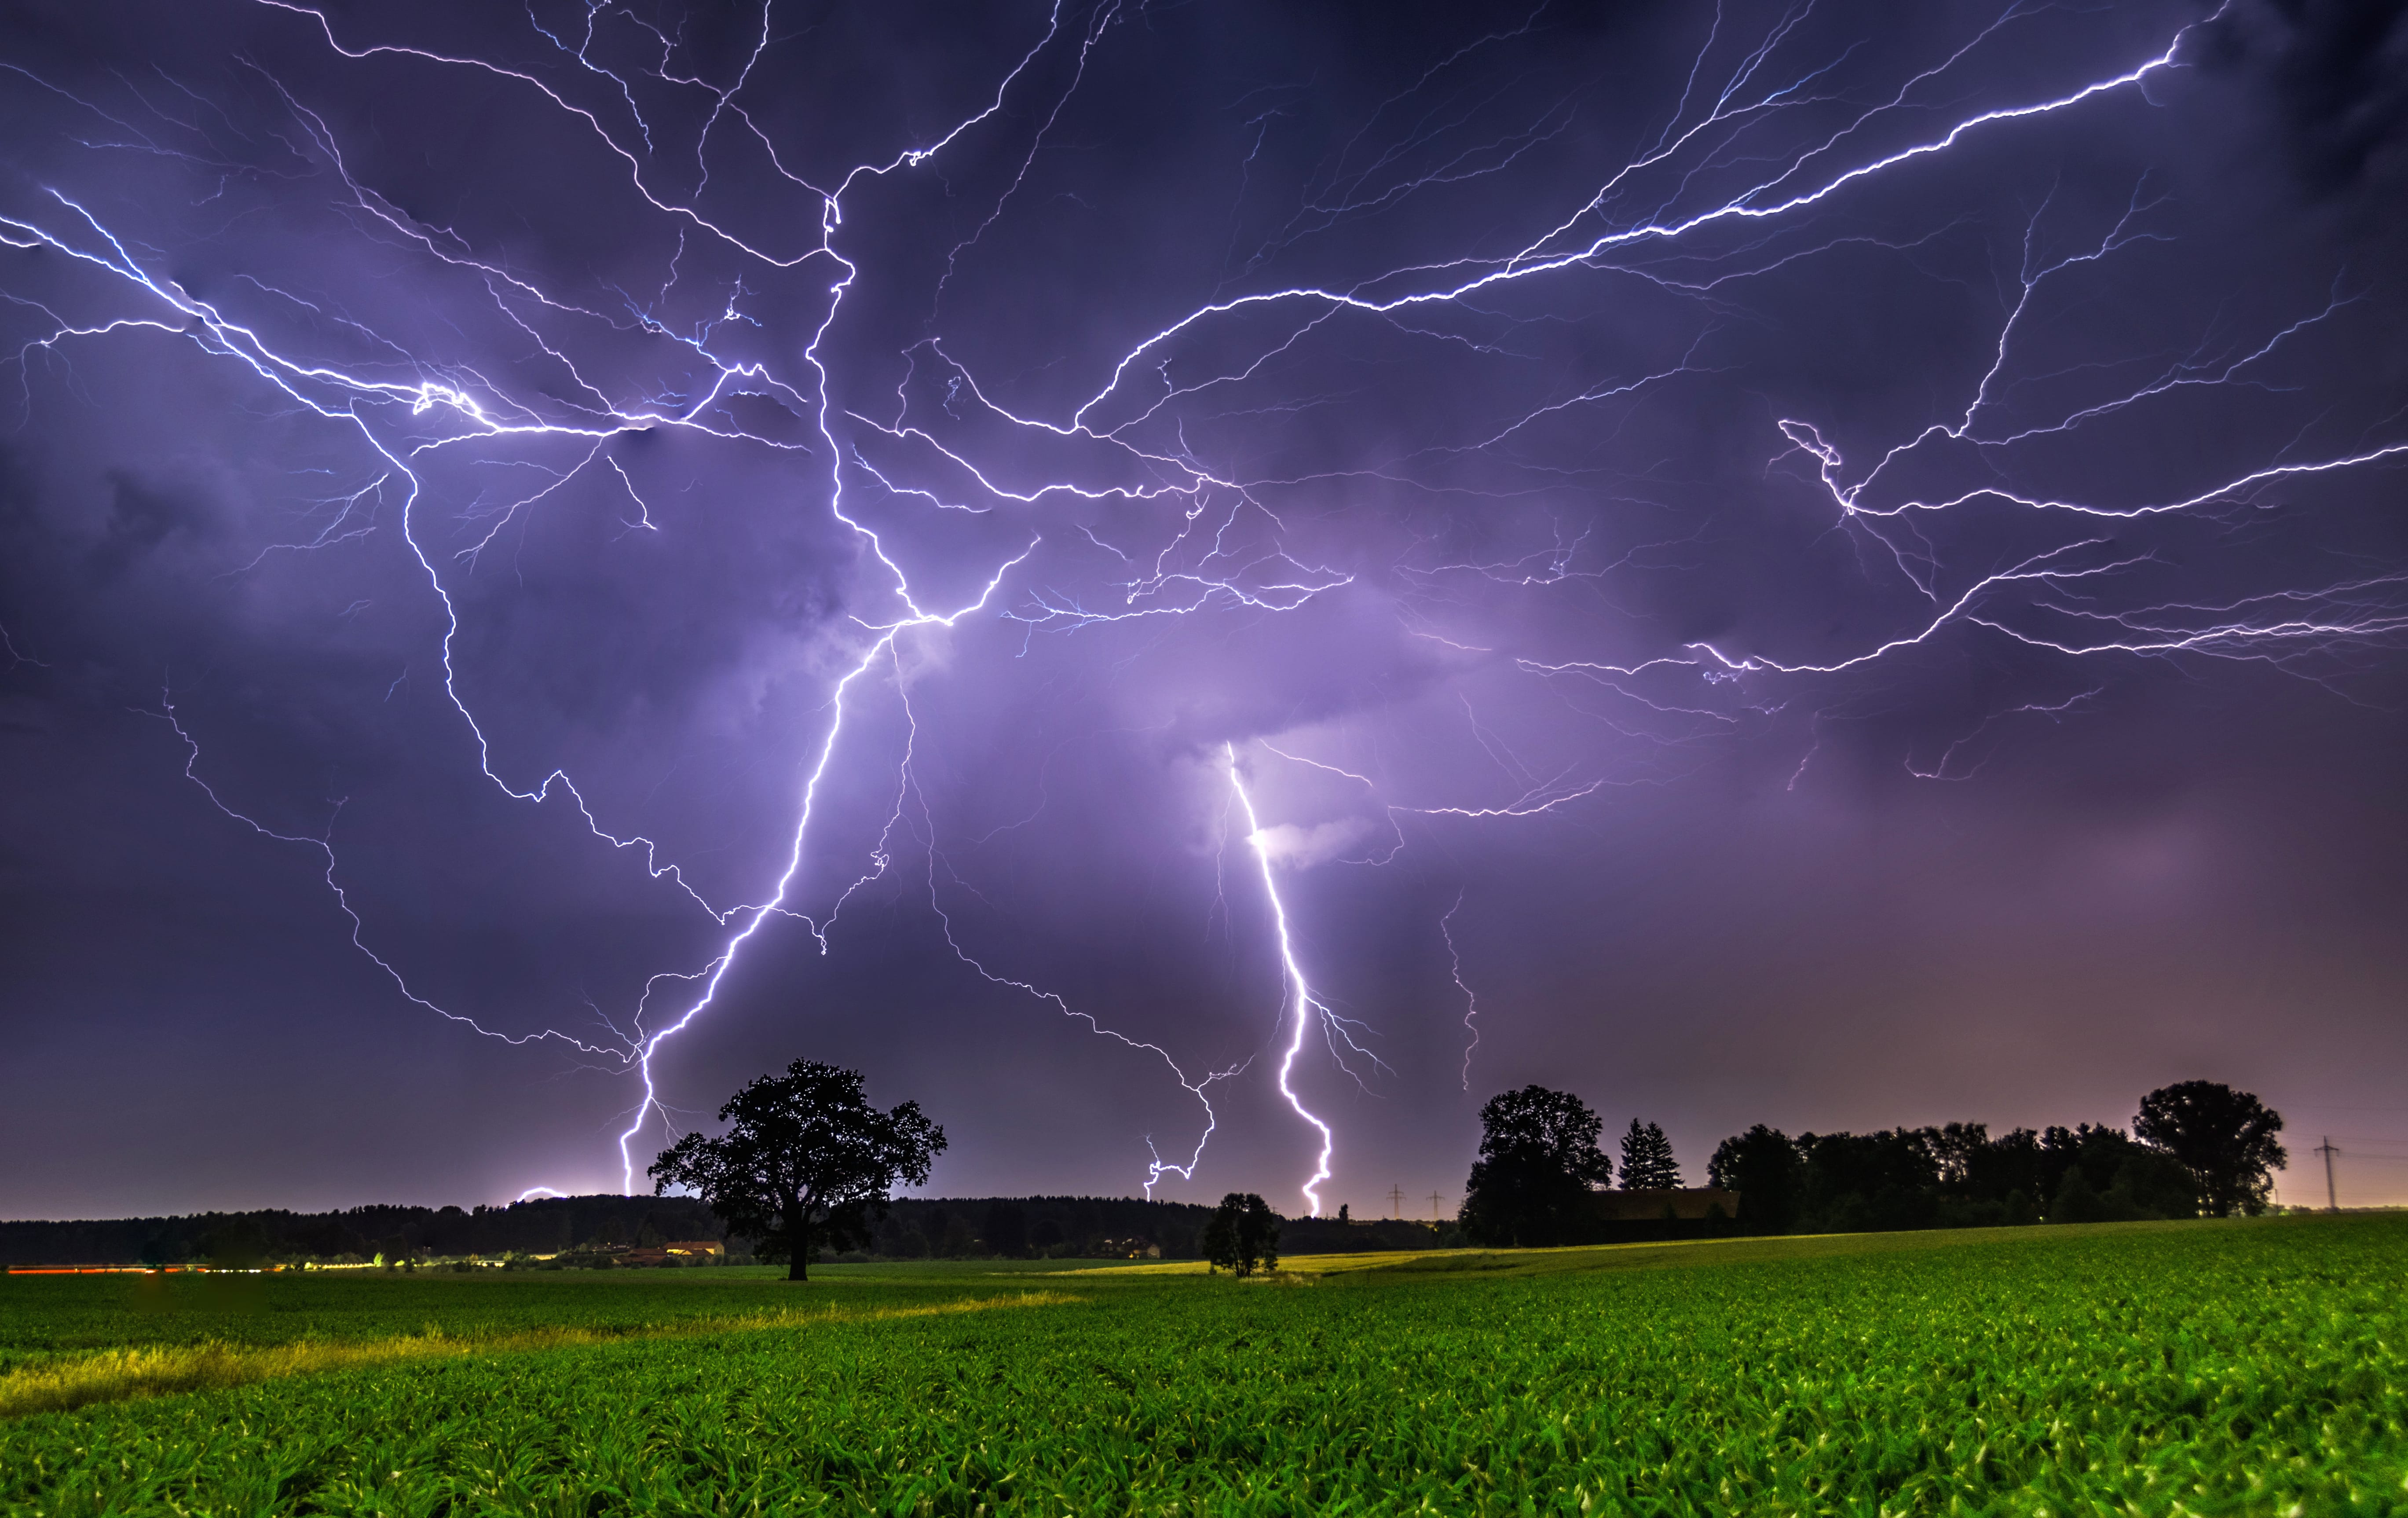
(1862, 568)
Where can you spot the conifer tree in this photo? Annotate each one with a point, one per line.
(1647, 1163)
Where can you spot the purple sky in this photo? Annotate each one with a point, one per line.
(1828, 571)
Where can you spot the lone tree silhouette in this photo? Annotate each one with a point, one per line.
(806, 1161)
(2225, 1138)
(1243, 1235)
(1538, 1159)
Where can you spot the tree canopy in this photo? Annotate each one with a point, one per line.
(1242, 1236)
(1763, 1165)
(806, 1161)
(1647, 1163)
(2225, 1138)
(1538, 1161)
(1952, 1177)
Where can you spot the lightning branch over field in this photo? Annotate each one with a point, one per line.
(1300, 1010)
(1156, 488)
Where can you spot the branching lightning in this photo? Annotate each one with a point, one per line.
(1470, 997)
(1300, 1007)
(1193, 530)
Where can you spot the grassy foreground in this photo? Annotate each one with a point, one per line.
(2140, 1369)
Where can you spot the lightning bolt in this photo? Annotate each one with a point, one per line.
(1470, 998)
(1188, 531)
(718, 968)
(1296, 993)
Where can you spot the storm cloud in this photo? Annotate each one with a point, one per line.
(1854, 562)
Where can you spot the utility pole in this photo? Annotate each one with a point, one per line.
(1434, 1201)
(1396, 1201)
(2332, 1203)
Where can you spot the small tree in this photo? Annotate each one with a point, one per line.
(806, 1161)
(1647, 1163)
(1242, 1236)
(1538, 1159)
(2225, 1138)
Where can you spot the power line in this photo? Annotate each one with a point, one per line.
(2332, 1200)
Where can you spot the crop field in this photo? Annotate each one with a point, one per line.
(2204, 1367)
(49, 1319)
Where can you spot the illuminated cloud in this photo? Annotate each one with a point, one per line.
(1679, 542)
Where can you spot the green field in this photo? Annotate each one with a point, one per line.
(2201, 1368)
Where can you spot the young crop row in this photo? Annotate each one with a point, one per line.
(2204, 1369)
(43, 1319)
(115, 1375)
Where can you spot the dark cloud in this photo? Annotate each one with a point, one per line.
(2338, 70)
(1903, 647)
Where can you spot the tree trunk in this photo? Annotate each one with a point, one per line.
(798, 1240)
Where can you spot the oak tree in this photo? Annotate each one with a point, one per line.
(1537, 1161)
(805, 1162)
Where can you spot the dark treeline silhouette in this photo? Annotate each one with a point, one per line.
(1103, 1227)
(585, 1228)
(2194, 1147)
(1951, 1177)
(1038, 1228)
(2198, 1147)
(546, 1225)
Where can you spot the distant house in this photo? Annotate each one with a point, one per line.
(711, 1247)
(1687, 1204)
(644, 1257)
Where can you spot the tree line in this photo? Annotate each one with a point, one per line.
(585, 1232)
(358, 1235)
(806, 1166)
(2195, 1148)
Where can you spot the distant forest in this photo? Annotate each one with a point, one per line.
(2196, 1148)
(590, 1229)
(1952, 1177)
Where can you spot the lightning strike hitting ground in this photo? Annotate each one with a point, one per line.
(1295, 992)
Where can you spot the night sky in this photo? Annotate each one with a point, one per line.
(1834, 566)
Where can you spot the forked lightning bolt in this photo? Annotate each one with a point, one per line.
(1195, 535)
